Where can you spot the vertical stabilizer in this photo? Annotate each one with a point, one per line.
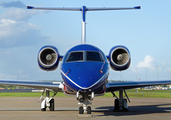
(83, 9)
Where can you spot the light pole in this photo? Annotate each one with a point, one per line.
(157, 72)
(167, 73)
(136, 73)
(146, 73)
(17, 74)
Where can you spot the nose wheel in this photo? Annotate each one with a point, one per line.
(82, 110)
(88, 110)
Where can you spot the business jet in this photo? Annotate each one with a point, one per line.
(84, 70)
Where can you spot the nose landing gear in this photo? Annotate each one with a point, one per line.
(84, 101)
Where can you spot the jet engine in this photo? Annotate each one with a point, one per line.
(48, 58)
(119, 58)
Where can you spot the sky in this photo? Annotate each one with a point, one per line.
(145, 32)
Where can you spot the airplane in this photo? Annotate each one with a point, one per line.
(84, 70)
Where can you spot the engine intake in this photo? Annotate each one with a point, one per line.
(48, 58)
(119, 58)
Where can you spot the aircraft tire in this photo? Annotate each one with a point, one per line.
(52, 105)
(43, 109)
(81, 111)
(88, 110)
(116, 104)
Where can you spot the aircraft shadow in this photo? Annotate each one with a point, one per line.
(135, 110)
(108, 110)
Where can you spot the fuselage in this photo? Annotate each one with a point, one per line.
(85, 68)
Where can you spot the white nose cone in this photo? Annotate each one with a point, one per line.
(49, 57)
(119, 57)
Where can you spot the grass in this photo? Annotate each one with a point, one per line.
(145, 94)
(26, 94)
(131, 93)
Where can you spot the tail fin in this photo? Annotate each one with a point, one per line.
(83, 9)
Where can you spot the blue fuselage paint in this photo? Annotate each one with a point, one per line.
(85, 75)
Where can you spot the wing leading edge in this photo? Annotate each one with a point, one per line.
(54, 86)
(133, 84)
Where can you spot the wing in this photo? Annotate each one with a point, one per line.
(53, 86)
(114, 86)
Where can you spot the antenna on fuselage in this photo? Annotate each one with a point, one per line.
(83, 9)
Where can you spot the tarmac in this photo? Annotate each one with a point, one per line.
(66, 108)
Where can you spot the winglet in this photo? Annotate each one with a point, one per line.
(30, 7)
(137, 7)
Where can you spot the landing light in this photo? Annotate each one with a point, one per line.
(101, 71)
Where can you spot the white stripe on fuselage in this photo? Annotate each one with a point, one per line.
(80, 86)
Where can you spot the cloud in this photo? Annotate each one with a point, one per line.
(15, 30)
(19, 33)
(16, 4)
(19, 14)
(20, 41)
(148, 62)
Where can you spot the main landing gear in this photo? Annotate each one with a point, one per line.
(47, 102)
(121, 103)
(85, 100)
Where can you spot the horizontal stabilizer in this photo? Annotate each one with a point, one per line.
(81, 8)
(62, 8)
(106, 8)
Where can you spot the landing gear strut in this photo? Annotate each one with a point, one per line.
(121, 102)
(47, 101)
(84, 100)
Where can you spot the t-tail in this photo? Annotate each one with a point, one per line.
(83, 9)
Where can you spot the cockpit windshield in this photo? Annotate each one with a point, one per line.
(84, 56)
(75, 56)
(93, 56)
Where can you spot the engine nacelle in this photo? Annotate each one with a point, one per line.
(119, 58)
(48, 58)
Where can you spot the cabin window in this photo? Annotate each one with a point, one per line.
(75, 56)
(93, 56)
